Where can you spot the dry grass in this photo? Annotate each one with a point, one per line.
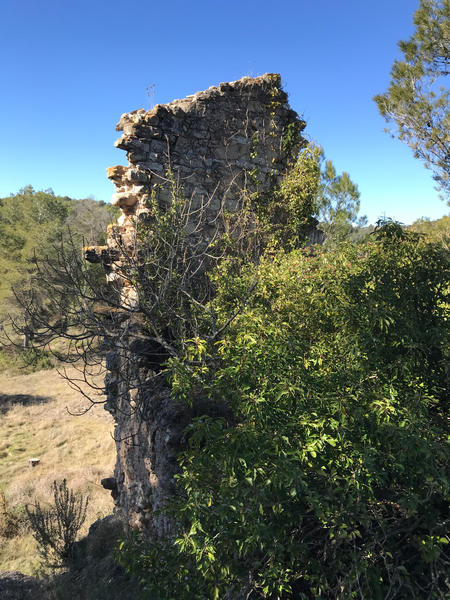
(35, 422)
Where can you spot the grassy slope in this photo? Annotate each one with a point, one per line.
(79, 448)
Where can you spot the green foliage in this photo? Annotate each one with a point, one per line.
(338, 204)
(33, 223)
(163, 570)
(25, 361)
(34, 226)
(292, 141)
(311, 189)
(434, 231)
(28, 220)
(287, 213)
(325, 476)
(56, 528)
(416, 100)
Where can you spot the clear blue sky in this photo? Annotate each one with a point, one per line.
(69, 68)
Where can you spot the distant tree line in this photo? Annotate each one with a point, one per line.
(33, 225)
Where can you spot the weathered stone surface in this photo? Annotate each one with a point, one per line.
(218, 144)
(100, 254)
(211, 141)
(116, 173)
(124, 199)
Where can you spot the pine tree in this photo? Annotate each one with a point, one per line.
(339, 201)
(417, 101)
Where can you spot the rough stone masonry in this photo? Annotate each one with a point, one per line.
(215, 144)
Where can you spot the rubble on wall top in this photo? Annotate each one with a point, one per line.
(188, 103)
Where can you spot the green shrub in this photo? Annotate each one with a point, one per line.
(329, 480)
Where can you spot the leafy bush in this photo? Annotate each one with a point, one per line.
(56, 528)
(329, 478)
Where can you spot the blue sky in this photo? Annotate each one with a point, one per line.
(69, 68)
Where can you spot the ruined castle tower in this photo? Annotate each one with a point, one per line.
(215, 144)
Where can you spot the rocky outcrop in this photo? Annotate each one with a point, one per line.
(234, 139)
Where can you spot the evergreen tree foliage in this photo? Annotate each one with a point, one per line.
(417, 101)
(28, 220)
(338, 204)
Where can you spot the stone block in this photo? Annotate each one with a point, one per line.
(117, 173)
(124, 199)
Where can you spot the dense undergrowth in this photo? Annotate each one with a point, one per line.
(329, 479)
(326, 474)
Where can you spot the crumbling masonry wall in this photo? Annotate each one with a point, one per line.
(233, 137)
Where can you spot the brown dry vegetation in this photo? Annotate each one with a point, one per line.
(35, 422)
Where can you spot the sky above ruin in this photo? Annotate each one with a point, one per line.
(70, 68)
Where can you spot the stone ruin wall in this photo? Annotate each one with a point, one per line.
(215, 143)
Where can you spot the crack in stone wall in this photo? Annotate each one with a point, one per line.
(215, 143)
